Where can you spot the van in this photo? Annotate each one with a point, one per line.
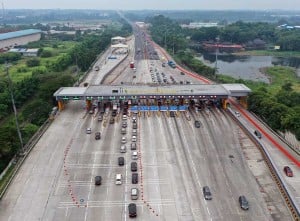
(134, 193)
(118, 179)
(98, 180)
(134, 155)
(123, 149)
(206, 193)
(244, 204)
(257, 133)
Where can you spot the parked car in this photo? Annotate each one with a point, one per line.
(97, 135)
(123, 140)
(288, 171)
(98, 180)
(244, 204)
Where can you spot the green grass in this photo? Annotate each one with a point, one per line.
(281, 75)
(16, 76)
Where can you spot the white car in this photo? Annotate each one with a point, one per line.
(133, 139)
(134, 155)
(123, 140)
(123, 149)
(88, 130)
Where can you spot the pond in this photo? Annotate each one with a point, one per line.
(248, 67)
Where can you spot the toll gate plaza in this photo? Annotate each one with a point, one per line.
(162, 93)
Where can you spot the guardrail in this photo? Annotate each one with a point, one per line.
(296, 150)
(114, 68)
(285, 192)
(19, 159)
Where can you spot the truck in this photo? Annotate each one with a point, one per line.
(172, 64)
(131, 64)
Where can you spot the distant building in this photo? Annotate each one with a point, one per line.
(12, 39)
(32, 52)
(200, 25)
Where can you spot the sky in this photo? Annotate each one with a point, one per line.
(153, 4)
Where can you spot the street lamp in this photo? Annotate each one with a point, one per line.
(10, 87)
(217, 50)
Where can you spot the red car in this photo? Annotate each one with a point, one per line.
(288, 171)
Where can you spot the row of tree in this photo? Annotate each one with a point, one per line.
(242, 32)
(281, 112)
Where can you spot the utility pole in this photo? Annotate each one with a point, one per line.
(10, 87)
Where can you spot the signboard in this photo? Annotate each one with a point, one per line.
(182, 108)
(144, 108)
(173, 108)
(154, 108)
(163, 108)
(134, 108)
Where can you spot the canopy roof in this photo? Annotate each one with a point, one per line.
(118, 38)
(119, 46)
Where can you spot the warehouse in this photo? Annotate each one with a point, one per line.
(12, 39)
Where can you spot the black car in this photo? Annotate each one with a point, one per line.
(98, 180)
(207, 193)
(97, 135)
(257, 133)
(244, 204)
(112, 120)
(133, 166)
(132, 210)
(135, 178)
(121, 161)
(172, 114)
(197, 124)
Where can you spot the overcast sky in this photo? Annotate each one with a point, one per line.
(153, 4)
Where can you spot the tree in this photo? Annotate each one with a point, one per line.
(33, 62)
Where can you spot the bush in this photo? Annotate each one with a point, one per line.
(46, 54)
(33, 62)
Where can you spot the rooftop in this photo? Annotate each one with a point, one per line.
(16, 34)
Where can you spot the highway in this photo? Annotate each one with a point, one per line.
(175, 160)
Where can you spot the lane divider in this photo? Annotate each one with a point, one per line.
(141, 174)
(66, 172)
